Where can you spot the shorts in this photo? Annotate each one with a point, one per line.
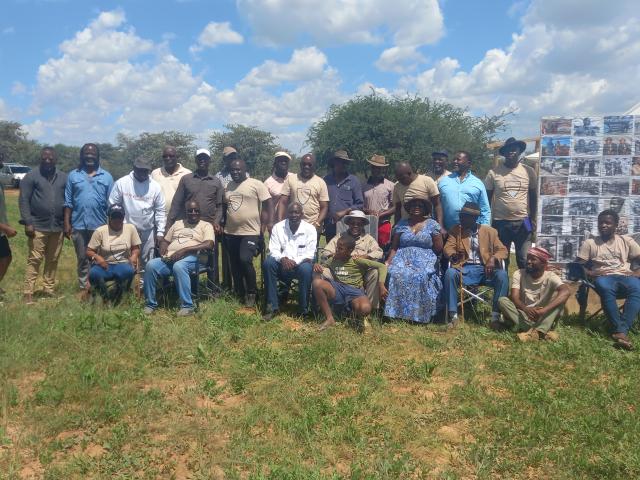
(344, 295)
(5, 250)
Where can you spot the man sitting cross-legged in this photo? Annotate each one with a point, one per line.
(178, 250)
(537, 299)
(474, 251)
(292, 246)
(345, 290)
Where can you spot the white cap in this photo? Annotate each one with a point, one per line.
(200, 151)
(282, 154)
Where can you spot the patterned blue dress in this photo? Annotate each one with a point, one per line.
(414, 283)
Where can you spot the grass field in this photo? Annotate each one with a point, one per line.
(93, 393)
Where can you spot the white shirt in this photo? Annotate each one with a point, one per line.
(143, 203)
(297, 246)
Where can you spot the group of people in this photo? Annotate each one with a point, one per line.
(432, 234)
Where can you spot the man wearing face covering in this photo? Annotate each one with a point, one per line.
(86, 197)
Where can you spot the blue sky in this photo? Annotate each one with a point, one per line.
(76, 70)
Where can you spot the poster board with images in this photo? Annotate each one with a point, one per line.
(587, 164)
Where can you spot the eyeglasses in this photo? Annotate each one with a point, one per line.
(193, 210)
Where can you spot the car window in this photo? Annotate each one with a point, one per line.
(20, 169)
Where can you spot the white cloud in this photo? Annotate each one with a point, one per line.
(305, 64)
(18, 88)
(399, 59)
(216, 34)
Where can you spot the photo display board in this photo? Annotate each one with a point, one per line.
(587, 164)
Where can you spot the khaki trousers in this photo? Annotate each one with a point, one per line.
(517, 318)
(370, 285)
(47, 246)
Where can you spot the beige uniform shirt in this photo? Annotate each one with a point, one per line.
(244, 204)
(510, 188)
(183, 235)
(536, 293)
(114, 247)
(612, 257)
(274, 185)
(365, 245)
(169, 182)
(309, 193)
(421, 186)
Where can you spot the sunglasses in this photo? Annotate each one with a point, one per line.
(193, 210)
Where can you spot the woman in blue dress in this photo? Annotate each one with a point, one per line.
(414, 283)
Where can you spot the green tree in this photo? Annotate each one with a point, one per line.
(402, 129)
(16, 146)
(256, 147)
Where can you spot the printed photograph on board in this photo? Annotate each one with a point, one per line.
(615, 187)
(550, 244)
(623, 226)
(636, 224)
(568, 248)
(584, 226)
(553, 206)
(635, 166)
(616, 167)
(618, 124)
(558, 166)
(583, 206)
(585, 166)
(635, 186)
(553, 186)
(551, 225)
(587, 126)
(617, 145)
(579, 186)
(634, 206)
(555, 126)
(556, 146)
(636, 146)
(620, 205)
(586, 146)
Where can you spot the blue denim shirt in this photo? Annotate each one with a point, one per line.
(454, 194)
(343, 195)
(87, 197)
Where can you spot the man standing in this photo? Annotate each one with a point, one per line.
(6, 230)
(229, 154)
(345, 192)
(608, 258)
(144, 207)
(460, 187)
(169, 175)
(537, 300)
(411, 184)
(378, 198)
(440, 158)
(86, 197)
(512, 192)
(474, 251)
(178, 249)
(292, 247)
(41, 212)
(275, 182)
(248, 215)
(309, 190)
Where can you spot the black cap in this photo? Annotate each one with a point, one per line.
(442, 152)
(115, 210)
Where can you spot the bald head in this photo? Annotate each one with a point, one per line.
(404, 173)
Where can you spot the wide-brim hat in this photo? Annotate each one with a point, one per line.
(511, 141)
(142, 163)
(378, 161)
(356, 214)
(341, 155)
(226, 151)
(470, 208)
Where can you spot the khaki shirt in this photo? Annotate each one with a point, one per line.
(114, 247)
(366, 245)
(244, 204)
(309, 193)
(510, 188)
(183, 235)
(274, 185)
(612, 257)
(536, 293)
(169, 182)
(421, 186)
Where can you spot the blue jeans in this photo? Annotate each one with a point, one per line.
(610, 287)
(156, 269)
(122, 273)
(273, 272)
(474, 275)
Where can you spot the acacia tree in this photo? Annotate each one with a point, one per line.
(402, 129)
(16, 146)
(256, 147)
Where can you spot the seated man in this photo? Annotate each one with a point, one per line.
(292, 246)
(345, 291)
(114, 250)
(608, 259)
(474, 251)
(537, 299)
(366, 247)
(178, 256)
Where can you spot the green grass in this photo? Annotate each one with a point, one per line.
(93, 393)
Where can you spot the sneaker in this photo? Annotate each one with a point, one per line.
(250, 302)
(453, 321)
(149, 310)
(497, 326)
(185, 312)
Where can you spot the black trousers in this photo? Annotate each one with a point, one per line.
(242, 249)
